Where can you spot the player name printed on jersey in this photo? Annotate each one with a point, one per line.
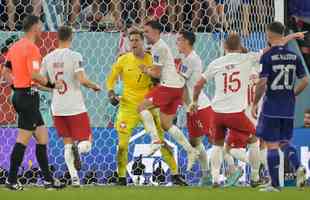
(191, 69)
(280, 67)
(162, 56)
(62, 64)
(231, 74)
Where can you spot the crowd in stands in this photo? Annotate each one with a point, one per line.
(112, 15)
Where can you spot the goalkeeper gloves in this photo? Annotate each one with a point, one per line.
(113, 98)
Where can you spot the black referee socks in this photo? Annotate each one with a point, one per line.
(41, 154)
(17, 156)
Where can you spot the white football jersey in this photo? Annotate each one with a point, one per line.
(231, 75)
(162, 56)
(62, 64)
(191, 69)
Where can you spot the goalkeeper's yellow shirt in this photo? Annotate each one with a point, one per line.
(135, 83)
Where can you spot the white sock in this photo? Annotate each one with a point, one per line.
(216, 158)
(239, 154)
(263, 157)
(70, 161)
(149, 124)
(203, 159)
(254, 160)
(178, 135)
(229, 161)
(84, 146)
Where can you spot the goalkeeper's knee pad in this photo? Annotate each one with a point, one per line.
(84, 146)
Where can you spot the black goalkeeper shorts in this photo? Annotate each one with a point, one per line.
(26, 103)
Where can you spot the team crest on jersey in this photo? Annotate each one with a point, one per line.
(156, 58)
(122, 125)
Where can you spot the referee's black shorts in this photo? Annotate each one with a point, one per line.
(27, 105)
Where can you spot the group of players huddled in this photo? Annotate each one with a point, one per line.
(153, 90)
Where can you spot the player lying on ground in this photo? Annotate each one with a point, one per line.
(68, 108)
(197, 123)
(231, 73)
(136, 84)
(167, 96)
(23, 62)
(280, 67)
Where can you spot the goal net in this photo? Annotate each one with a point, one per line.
(100, 27)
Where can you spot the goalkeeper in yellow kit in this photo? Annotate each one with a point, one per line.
(136, 85)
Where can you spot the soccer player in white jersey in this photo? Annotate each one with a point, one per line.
(68, 108)
(197, 123)
(236, 146)
(167, 96)
(231, 73)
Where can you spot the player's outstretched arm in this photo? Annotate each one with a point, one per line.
(301, 85)
(82, 78)
(295, 36)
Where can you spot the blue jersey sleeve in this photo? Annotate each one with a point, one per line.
(265, 67)
(300, 69)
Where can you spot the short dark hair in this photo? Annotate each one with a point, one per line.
(276, 27)
(136, 32)
(154, 24)
(307, 111)
(29, 21)
(233, 42)
(189, 36)
(64, 33)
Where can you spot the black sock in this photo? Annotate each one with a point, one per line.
(17, 156)
(41, 154)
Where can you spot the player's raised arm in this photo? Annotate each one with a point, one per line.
(294, 36)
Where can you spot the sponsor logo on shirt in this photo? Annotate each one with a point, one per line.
(123, 125)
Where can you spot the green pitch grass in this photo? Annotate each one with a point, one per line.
(153, 193)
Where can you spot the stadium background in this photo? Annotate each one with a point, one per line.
(99, 50)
